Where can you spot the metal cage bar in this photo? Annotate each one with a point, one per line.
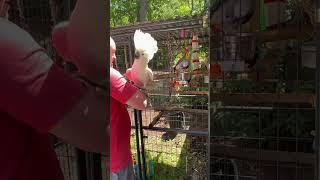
(262, 116)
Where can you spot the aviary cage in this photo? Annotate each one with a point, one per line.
(175, 128)
(264, 109)
(38, 18)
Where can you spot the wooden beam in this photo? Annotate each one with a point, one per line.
(196, 111)
(126, 57)
(285, 33)
(289, 32)
(173, 75)
(233, 152)
(249, 99)
(259, 99)
(165, 92)
(156, 119)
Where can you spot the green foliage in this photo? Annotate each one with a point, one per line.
(203, 52)
(179, 55)
(124, 12)
(166, 9)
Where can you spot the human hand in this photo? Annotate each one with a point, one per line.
(135, 80)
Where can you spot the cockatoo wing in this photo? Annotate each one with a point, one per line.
(150, 85)
(149, 74)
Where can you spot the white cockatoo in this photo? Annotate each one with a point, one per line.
(145, 48)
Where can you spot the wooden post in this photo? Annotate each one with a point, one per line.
(126, 57)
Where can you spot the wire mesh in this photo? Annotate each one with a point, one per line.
(67, 157)
(262, 117)
(176, 124)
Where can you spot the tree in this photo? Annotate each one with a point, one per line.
(125, 12)
(143, 7)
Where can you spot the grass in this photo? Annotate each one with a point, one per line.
(169, 157)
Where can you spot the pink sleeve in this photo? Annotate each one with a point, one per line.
(120, 88)
(37, 92)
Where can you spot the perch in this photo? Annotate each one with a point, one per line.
(156, 119)
(164, 92)
(174, 75)
(263, 155)
(242, 99)
(286, 33)
(197, 111)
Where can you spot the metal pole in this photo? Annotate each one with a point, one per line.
(94, 166)
(189, 132)
(211, 57)
(137, 142)
(142, 146)
(317, 139)
(81, 161)
(142, 17)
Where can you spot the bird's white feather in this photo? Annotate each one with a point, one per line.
(146, 47)
(144, 41)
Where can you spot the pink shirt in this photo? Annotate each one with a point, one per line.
(35, 94)
(120, 126)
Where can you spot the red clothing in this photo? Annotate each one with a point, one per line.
(35, 95)
(120, 126)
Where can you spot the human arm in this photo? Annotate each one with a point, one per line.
(86, 38)
(138, 101)
(125, 92)
(38, 93)
(86, 125)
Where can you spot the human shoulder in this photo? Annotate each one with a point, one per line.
(15, 41)
(9, 29)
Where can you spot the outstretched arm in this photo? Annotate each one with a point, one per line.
(49, 100)
(38, 94)
(85, 125)
(126, 93)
